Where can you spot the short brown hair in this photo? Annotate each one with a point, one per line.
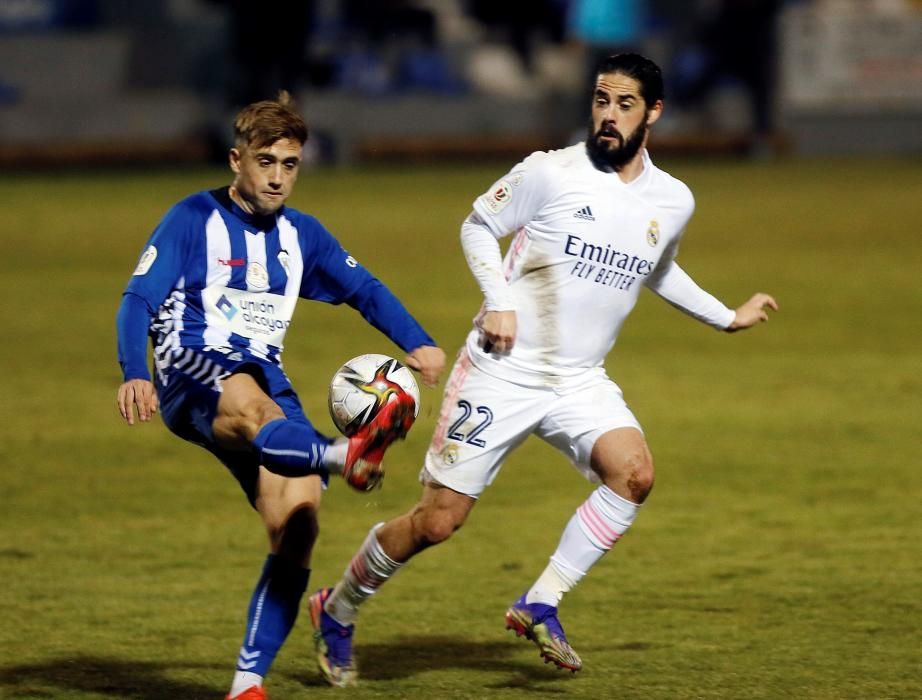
(263, 123)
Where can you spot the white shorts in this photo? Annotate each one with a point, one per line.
(483, 418)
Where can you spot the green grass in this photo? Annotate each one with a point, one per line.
(778, 556)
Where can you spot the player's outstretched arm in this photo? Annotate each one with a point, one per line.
(752, 312)
(429, 361)
(140, 393)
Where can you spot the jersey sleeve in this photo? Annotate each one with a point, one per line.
(514, 199)
(158, 269)
(336, 277)
(330, 274)
(673, 284)
(164, 257)
(482, 252)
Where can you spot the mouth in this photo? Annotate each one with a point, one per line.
(608, 134)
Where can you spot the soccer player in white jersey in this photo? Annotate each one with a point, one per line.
(215, 290)
(592, 225)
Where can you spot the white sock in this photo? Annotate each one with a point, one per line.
(595, 527)
(335, 456)
(555, 580)
(244, 680)
(368, 570)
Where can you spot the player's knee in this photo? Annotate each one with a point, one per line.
(639, 476)
(244, 409)
(263, 411)
(433, 527)
(295, 529)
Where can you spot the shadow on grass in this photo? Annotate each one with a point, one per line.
(406, 657)
(120, 678)
(398, 660)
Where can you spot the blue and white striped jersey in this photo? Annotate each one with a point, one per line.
(214, 277)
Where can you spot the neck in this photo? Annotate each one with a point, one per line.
(239, 201)
(631, 170)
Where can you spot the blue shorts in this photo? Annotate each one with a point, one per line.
(189, 390)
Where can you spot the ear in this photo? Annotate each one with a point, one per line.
(233, 159)
(654, 112)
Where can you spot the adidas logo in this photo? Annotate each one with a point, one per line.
(585, 213)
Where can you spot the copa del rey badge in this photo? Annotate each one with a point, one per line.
(498, 197)
(147, 259)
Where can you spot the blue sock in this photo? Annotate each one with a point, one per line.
(273, 611)
(291, 448)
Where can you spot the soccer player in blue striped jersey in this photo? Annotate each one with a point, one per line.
(215, 289)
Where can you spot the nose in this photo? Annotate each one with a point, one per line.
(275, 176)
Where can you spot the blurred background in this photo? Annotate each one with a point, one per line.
(95, 81)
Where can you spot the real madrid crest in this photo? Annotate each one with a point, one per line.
(449, 454)
(653, 233)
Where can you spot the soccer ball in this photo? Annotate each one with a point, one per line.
(363, 386)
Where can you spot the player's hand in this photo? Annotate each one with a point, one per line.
(429, 361)
(753, 312)
(497, 331)
(140, 393)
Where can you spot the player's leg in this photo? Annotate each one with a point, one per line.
(288, 507)
(466, 452)
(388, 546)
(618, 457)
(248, 417)
(622, 462)
(439, 513)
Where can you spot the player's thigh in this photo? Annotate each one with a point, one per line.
(579, 418)
(482, 420)
(244, 407)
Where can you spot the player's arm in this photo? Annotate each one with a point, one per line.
(510, 204)
(154, 276)
(137, 390)
(338, 278)
(497, 319)
(674, 285)
(383, 310)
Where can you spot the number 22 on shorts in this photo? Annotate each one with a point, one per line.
(464, 431)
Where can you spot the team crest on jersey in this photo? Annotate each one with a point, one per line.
(257, 276)
(499, 197)
(653, 233)
(283, 261)
(147, 259)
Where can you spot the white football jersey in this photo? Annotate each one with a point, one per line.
(585, 244)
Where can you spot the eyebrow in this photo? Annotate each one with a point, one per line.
(269, 156)
(601, 92)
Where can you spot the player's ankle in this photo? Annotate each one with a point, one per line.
(334, 458)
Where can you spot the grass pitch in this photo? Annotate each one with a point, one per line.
(778, 556)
